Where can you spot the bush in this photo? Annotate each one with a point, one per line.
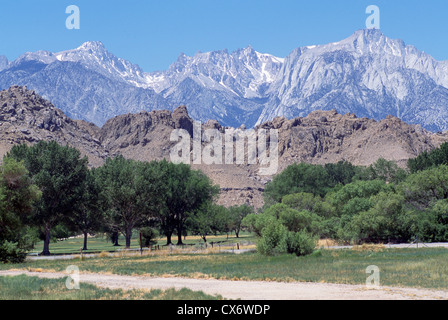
(427, 160)
(273, 239)
(308, 202)
(297, 178)
(149, 236)
(257, 222)
(300, 243)
(11, 252)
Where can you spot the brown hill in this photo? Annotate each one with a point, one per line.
(25, 117)
(321, 137)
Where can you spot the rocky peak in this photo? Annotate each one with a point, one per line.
(93, 46)
(20, 105)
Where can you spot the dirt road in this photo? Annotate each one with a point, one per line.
(250, 290)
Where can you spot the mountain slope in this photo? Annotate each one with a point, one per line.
(25, 117)
(81, 92)
(3, 62)
(321, 137)
(368, 74)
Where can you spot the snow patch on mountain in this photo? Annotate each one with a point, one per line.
(367, 74)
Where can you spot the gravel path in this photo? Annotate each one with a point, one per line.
(250, 290)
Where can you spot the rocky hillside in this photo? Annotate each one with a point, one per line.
(328, 137)
(321, 137)
(25, 117)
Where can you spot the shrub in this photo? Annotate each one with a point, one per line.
(273, 239)
(149, 236)
(300, 243)
(11, 252)
(257, 222)
(297, 178)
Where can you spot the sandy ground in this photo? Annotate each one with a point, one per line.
(250, 290)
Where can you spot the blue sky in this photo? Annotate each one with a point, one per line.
(153, 33)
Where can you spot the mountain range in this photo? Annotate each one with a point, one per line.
(367, 74)
(321, 137)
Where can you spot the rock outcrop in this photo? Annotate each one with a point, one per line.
(321, 137)
(25, 117)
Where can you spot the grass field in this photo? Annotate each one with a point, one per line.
(33, 288)
(423, 267)
(100, 243)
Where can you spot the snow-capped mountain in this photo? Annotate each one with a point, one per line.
(367, 74)
(87, 83)
(95, 56)
(92, 84)
(245, 72)
(3, 62)
(228, 87)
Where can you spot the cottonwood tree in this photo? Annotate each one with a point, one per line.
(236, 216)
(424, 188)
(60, 173)
(17, 194)
(186, 191)
(88, 216)
(431, 159)
(296, 178)
(131, 192)
(209, 219)
(189, 190)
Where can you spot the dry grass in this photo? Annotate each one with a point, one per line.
(423, 267)
(369, 247)
(23, 287)
(326, 243)
(39, 270)
(103, 254)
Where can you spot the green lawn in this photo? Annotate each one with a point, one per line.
(33, 288)
(100, 243)
(424, 267)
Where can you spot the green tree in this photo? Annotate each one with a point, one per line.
(237, 214)
(131, 192)
(358, 189)
(285, 230)
(298, 178)
(381, 222)
(210, 219)
(341, 172)
(60, 173)
(148, 236)
(17, 195)
(187, 190)
(422, 189)
(385, 170)
(256, 222)
(309, 202)
(300, 243)
(88, 216)
(273, 239)
(425, 196)
(431, 159)
(437, 226)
